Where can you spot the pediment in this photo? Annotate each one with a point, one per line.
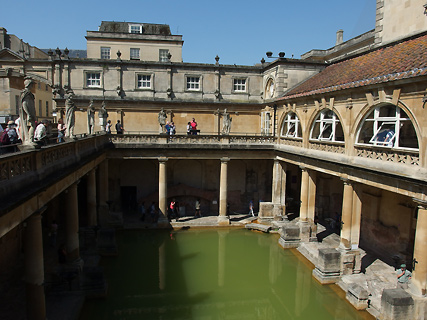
(9, 55)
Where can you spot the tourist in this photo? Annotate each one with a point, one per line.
(251, 208)
(193, 125)
(108, 127)
(11, 132)
(153, 212)
(197, 207)
(403, 277)
(172, 128)
(168, 128)
(61, 130)
(171, 211)
(189, 128)
(142, 210)
(119, 127)
(40, 136)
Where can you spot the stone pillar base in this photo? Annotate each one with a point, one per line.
(351, 262)
(328, 266)
(307, 231)
(396, 304)
(290, 236)
(357, 296)
(326, 277)
(223, 221)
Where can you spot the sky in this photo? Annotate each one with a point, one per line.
(238, 31)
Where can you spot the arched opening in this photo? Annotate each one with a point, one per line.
(388, 126)
(291, 126)
(327, 127)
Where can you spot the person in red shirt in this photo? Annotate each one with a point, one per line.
(193, 125)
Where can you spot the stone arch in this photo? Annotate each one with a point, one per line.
(315, 116)
(367, 110)
(282, 121)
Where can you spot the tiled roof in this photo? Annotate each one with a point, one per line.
(401, 61)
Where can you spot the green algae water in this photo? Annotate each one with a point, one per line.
(214, 274)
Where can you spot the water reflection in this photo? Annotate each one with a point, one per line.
(221, 274)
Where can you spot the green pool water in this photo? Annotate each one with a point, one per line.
(214, 274)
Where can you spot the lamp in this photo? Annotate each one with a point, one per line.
(269, 54)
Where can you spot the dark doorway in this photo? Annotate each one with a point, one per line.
(128, 196)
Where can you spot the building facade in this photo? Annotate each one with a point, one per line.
(308, 138)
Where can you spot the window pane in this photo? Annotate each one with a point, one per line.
(407, 135)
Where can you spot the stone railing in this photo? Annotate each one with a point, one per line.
(335, 147)
(16, 164)
(391, 155)
(191, 139)
(49, 158)
(294, 142)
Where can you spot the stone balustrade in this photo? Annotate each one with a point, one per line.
(408, 157)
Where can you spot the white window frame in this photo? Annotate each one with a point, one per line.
(291, 122)
(393, 122)
(140, 81)
(105, 52)
(163, 55)
(132, 52)
(135, 26)
(388, 139)
(325, 123)
(93, 81)
(193, 83)
(265, 123)
(240, 85)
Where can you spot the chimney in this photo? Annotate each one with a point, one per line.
(339, 37)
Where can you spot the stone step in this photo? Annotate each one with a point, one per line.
(259, 227)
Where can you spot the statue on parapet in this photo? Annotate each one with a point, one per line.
(70, 118)
(103, 115)
(226, 122)
(27, 112)
(91, 118)
(162, 120)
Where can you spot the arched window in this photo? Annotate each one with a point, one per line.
(327, 127)
(388, 126)
(291, 127)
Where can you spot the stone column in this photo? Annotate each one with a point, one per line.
(103, 209)
(347, 208)
(72, 223)
(311, 203)
(223, 219)
(163, 198)
(419, 275)
(276, 191)
(91, 199)
(356, 219)
(57, 75)
(34, 269)
(303, 213)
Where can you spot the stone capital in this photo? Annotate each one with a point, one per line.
(225, 159)
(163, 159)
(346, 181)
(422, 204)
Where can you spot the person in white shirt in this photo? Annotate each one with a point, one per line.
(40, 133)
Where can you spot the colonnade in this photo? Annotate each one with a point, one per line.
(351, 223)
(33, 237)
